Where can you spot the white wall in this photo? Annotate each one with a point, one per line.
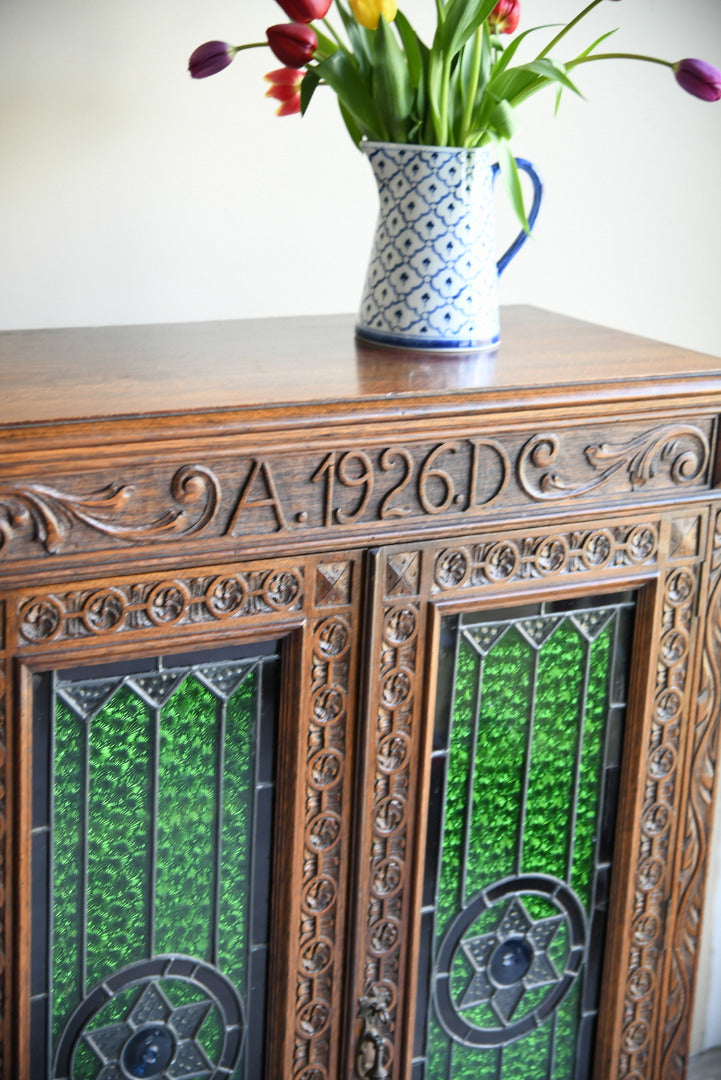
(132, 194)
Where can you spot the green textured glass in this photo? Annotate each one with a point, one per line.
(505, 693)
(552, 766)
(187, 822)
(119, 835)
(449, 897)
(236, 830)
(153, 815)
(69, 803)
(530, 1057)
(524, 759)
(591, 763)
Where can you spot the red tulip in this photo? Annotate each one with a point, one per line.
(285, 88)
(304, 11)
(699, 78)
(210, 58)
(505, 16)
(293, 43)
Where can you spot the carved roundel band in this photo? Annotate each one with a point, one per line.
(155, 1038)
(508, 960)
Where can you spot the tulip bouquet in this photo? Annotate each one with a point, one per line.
(461, 90)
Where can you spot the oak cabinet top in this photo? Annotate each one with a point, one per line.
(259, 371)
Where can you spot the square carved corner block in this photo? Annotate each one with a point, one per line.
(359, 709)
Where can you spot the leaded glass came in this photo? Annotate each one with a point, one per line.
(524, 778)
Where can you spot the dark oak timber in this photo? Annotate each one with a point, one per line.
(168, 488)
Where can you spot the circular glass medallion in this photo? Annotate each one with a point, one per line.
(154, 1028)
(508, 959)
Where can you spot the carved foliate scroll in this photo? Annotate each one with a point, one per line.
(42, 514)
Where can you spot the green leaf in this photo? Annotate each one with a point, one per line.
(596, 43)
(502, 120)
(311, 80)
(512, 48)
(551, 71)
(326, 45)
(392, 89)
(416, 51)
(460, 22)
(512, 181)
(353, 130)
(361, 40)
(343, 77)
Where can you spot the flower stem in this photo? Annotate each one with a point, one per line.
(334, 34)
(250, 45)
(618, 56)
(473, 82)
(567, 27)
(445, 94)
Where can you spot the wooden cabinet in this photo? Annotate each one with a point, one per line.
(252, 581)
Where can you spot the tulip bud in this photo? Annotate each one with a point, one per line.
(293, 43)
(285, 88)
(368, 12)
(305, 11)
(699, 78)
(210, 58)
(505, 16)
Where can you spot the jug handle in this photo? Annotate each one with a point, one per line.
(520, 240)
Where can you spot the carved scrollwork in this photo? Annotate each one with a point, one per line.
(48, 514)
(682, 449)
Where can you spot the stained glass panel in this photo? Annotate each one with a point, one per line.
(152, 848)
(526, 744)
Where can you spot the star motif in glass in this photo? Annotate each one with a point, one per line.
(155, 1040)
(510, 960)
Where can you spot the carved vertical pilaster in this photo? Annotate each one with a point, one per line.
(395, 703)
(333, 616)
(695, 845)
(651, 916)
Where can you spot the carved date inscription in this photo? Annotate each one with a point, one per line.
(339, 488)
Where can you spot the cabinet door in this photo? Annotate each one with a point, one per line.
(535, 757)
(184, 753)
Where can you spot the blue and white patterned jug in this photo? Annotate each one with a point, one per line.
(432, 282)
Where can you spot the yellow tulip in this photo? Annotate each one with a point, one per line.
(368, 12)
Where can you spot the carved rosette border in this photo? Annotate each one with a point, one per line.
(144, 604)
(695, 846)
(653, 884)
(396, 665)
(331, 616)
(495, 562)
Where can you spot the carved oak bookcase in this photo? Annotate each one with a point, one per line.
(358, 710)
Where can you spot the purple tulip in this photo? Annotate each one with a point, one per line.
(699, 78)
(210, 58)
